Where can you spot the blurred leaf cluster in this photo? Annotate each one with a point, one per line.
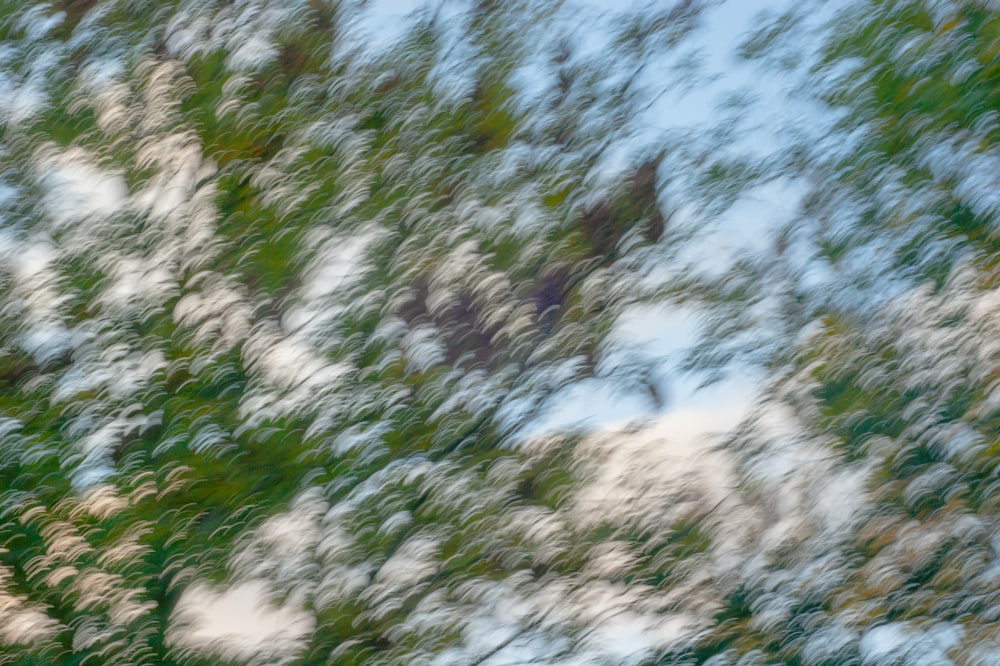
(280, 303)
(872, 316)
(277, 301)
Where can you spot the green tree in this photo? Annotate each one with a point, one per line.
(256, 268)
(873, 315)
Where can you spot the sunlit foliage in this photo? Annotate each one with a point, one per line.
(283, 300)
(277, 301)
(872, 312)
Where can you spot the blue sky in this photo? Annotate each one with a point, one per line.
(659, 334)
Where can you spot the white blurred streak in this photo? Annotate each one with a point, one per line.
(77, 188)
(137, 286)
(244, 30)
(21, 624)
(282, 551)
(18, 103)
(23, 96)
(638, 471)
(38, 296)
(238, 623)
(219, 311)
(903, 641)
(100, 86)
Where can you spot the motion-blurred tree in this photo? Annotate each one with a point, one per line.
(256, 268)
(874, 315)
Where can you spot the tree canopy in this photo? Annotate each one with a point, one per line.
(872, 313)
(261, 270)
(281, 301)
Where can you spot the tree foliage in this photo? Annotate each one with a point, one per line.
(260, 273)
(872, 313)
(279, 304)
